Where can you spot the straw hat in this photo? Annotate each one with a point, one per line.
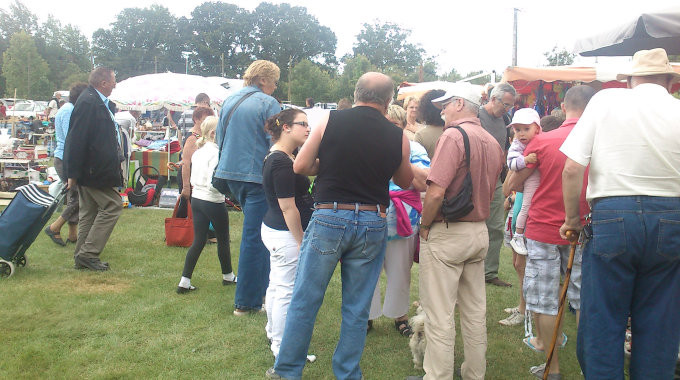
(650, 62)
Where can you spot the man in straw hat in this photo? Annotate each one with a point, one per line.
(631, 265)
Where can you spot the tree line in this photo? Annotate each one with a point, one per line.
(222, 38)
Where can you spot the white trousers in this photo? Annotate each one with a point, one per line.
(283, 251)
(397, 266)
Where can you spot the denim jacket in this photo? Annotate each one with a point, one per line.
(245, 142)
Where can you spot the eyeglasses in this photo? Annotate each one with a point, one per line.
(505, 105)
(302, 123)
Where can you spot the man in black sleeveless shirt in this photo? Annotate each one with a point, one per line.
(354, 153)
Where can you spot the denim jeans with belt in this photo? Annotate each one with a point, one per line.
(253, 261)
(631, 267)
(358, 238)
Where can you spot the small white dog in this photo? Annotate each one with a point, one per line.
(417, 341)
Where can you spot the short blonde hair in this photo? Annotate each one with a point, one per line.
(261, 69)
(208, 126)
(409, 99)
(395, 112)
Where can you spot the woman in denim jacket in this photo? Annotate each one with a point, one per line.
(244, 144)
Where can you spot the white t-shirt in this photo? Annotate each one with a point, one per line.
(631, 139)
(203, 163)
(54, 107)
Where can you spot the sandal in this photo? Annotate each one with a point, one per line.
(403, 327)
(53, 236)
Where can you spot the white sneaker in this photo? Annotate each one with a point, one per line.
(511, 310)
(513, 320)
(517, 244)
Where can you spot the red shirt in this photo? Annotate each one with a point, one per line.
(448, 168)
(546, 214)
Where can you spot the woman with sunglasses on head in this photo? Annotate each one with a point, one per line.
(290, 208)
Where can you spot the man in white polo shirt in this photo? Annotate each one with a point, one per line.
(631, 266)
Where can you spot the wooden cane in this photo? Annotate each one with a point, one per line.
(572, 236)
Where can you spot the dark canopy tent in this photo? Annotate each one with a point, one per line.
(648, 31)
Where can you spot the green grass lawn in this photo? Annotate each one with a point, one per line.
(128, 323)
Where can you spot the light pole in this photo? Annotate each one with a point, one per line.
(186, 55)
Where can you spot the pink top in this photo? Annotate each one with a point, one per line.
(448, 168)
(546, 214)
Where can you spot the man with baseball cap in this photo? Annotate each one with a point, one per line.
(631, 265)
(452, 253)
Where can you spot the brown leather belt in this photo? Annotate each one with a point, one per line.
(352, 206)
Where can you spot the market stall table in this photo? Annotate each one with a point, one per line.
(155, 158)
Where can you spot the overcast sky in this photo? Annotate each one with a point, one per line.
(466, 35)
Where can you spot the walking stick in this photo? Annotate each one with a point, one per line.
(572, 236)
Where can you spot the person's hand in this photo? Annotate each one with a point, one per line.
(186, 192)
(71, 183)
(570, 224)
(424, 233)
(173, 166)
(530, 158)
(506, 204)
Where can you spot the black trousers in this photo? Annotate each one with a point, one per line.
(205, 213)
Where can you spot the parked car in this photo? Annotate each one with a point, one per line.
(9, 102)
(28, 109)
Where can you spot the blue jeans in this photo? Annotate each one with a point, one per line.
(358, 238)
(631, 267)
(253, 260)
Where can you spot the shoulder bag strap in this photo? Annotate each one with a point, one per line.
(466, 142)
(226, 123)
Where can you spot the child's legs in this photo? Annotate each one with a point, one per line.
(530, 186)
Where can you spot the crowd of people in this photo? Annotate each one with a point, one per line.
(429, 182)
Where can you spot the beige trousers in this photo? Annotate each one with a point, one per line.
(99, 212)
(452, 272)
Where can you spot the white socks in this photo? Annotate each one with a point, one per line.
(185, 282)
(228, 276)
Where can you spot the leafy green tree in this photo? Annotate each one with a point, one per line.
(217, 29)
(452, 76)
(140, 41)
(24, 69)
(73, 79)
(17, 19)
(354, 67)
(427, 72)
(286, 35)
(308, 80)
(559, 57)
(386, 46)
(65, 49)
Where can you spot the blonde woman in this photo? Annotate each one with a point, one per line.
(244, 144)
(208, 207)
(412, 126)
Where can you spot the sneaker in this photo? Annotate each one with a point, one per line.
(540, 369)
(511, 310)
(184, 290)
(517, 244)
(90, 263)
(271, 374)
(513, 320)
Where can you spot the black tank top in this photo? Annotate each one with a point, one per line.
(359, 152)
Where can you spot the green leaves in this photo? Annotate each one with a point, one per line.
(24, 69)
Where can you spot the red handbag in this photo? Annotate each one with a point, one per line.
(179, 232)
